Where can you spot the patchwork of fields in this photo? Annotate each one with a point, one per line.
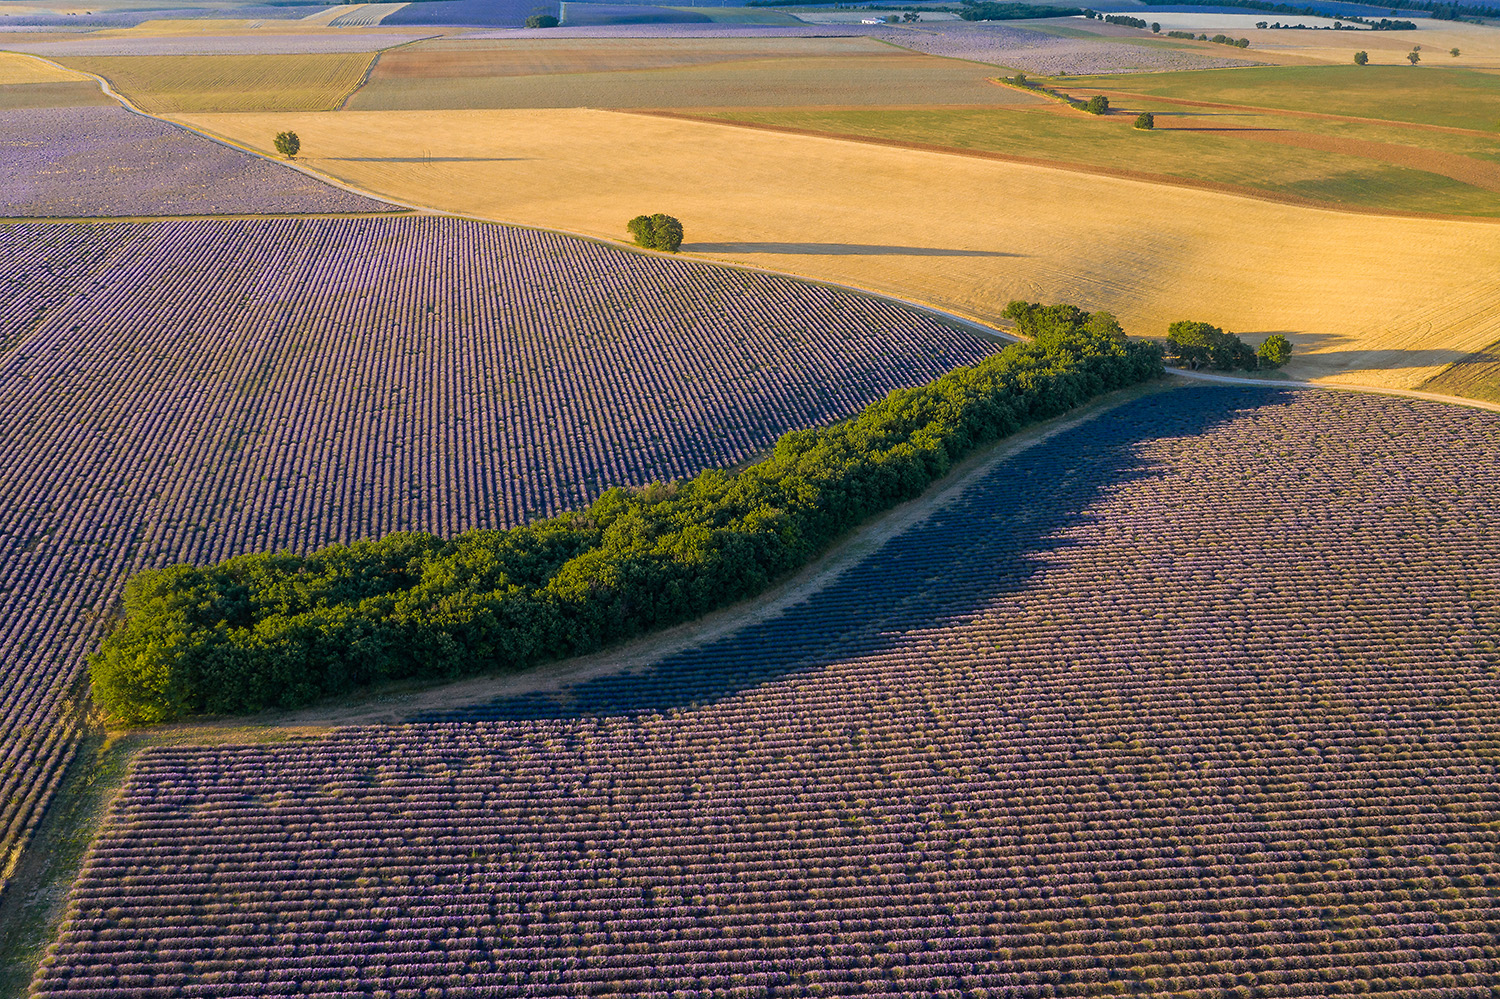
(1196, 694)
(189, 390)
(1193, 694)
(988, 231)
(180, 83)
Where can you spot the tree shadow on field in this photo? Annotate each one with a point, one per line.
(842, 250)
(987, 544)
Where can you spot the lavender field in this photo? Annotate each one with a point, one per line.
(1197, 699)
(88, 162)
(183, 391)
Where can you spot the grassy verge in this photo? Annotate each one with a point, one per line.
(1110, 144)
(33, 904)
(1429, 95)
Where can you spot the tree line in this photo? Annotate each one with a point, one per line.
(280, 630)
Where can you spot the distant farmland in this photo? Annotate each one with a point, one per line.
(183, 391)
(180, 83)
(667, 73)
(1198, 699)
(958, 231)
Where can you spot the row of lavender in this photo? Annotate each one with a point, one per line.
(1197, 699)
(89, 162)
(185, 391)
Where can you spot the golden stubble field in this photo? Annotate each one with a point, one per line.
(1367, 299)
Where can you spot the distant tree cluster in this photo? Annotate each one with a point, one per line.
(541, 21)
(1195, 345)
(1124, 20)
(656, 232)
(1145, 121)
(1098, 104)
(985, 11)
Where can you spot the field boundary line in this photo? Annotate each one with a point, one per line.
(370, 69)
(1162, 180)
(130, 106)
(969, 322)
(1204, 376)
(1352, 119)
(399, 702)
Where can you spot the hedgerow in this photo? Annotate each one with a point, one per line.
(280, 630)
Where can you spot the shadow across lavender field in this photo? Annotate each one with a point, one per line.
(986, 545)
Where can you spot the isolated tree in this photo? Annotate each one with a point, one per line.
(1019, 79)
(1360, 58)
(1274, 351)
(541, 21)
(1453, 53)
(1413, 57)
(1145, 120)
(1155, 28)
(656, 232)
(1098, 104)
(287, 144)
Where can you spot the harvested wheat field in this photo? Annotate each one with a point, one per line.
(185, 83)
(24, 69)
(1367, 299)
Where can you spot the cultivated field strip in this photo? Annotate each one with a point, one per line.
(1197, 699)
(183, 391)
(87, 162)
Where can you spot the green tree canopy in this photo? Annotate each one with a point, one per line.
(287, 144)
(656, 232)
(1274, 351)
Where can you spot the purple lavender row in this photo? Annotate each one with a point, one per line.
(1198, 699)
(106, 161)
(189, 390)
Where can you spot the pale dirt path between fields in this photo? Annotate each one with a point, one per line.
(1366, 299)
(397, 704)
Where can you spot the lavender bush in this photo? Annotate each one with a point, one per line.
(1197, 699)
(183, 391)
(106, 161)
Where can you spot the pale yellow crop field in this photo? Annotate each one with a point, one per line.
(18, 68)
(1367, 299)
(161, 84)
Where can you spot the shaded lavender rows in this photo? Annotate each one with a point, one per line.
(188, 390)
(1198, 699)
(106, 161)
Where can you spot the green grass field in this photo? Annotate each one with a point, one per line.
(1110, 143)
(174, 84)
(1432, 95)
